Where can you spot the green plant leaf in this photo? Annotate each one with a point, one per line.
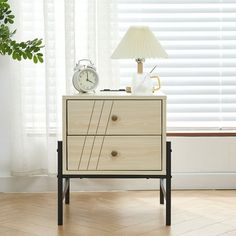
(29, 55)
(18, 50)
(24, 55)
(23, 45)
(39, 42)
(14, 55)
(35, 59)
(40, 59)
(18, 57)
(36, 49)
(10, 21)
(13, 42)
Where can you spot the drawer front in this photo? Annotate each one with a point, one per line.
(118, 153)
(118, 117)
(135, 117)
(78, 116)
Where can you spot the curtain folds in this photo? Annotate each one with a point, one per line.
(37, 89)
(70, 30)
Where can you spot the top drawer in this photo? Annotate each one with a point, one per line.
(114, 117)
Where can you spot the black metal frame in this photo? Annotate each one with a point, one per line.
(165, 191)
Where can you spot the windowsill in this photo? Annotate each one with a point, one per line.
(217, 133)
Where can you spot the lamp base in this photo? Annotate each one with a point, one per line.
(140, 65)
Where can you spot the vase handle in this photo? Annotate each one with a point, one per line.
(158, 85)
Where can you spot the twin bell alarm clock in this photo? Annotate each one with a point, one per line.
(85, 78)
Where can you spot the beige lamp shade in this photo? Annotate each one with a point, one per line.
(139, 42)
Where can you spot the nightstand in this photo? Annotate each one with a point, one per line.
(114, 136)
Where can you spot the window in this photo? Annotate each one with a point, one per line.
(199, 76)
(199, 36)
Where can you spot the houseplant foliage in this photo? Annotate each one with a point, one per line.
(8, 46)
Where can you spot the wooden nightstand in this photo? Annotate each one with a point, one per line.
(114, 136)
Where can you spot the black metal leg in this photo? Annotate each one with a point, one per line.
(168, 183)
(59, 186)
(161, 192)
(67, 195)
(164, 193)
(168, 201)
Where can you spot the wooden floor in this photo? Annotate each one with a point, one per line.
(199, 213)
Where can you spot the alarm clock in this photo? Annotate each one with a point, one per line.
(85, 78)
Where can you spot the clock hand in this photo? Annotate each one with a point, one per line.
(87, 76)
(91, 81)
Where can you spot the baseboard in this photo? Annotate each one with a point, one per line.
(179, 181)
(204, 181)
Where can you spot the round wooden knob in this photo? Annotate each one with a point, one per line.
(114, 117)
(114, 153)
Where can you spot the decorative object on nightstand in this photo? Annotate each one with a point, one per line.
(143, 84)
(139, 43)
(85, 78)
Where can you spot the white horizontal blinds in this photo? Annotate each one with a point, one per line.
(199, 76)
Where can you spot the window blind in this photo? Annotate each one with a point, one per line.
(199, 77)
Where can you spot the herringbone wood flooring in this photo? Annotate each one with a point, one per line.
(199, 213)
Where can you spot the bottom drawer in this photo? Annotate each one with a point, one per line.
(118, 153)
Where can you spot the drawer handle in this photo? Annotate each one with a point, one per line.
(114, 117)
(114, 153)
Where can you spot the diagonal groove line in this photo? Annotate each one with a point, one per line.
(95, 134)
(81, 155)
(104, 134)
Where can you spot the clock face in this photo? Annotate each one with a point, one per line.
(87, 80)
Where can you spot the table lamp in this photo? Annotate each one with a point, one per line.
(139, 43)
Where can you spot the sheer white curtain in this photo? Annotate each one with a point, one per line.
(96, 35)
(71, 30)
(37, 89)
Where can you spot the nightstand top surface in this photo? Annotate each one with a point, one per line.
(114, 95)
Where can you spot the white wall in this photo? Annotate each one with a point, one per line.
(5, 88)
(204, 154)
(204, 162)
